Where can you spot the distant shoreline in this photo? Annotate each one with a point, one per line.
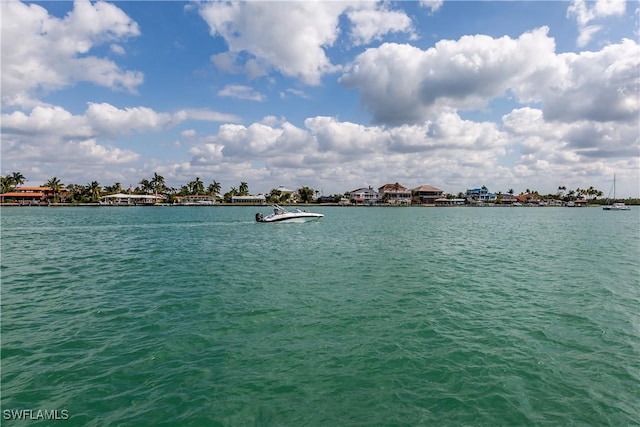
(97, 205)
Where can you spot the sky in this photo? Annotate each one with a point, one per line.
(333, 95)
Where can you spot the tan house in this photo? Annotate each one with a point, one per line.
(528, 199)
(395, 194)
(427, 194)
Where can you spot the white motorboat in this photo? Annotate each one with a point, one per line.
(280, 214)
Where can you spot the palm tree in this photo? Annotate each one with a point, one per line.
(157, 183)
(6, 184)
(145, 186)
(115, 188)
(75, 192)
(228, 196)
(561, 190)
(214, 189)
(55, 185)
(510, 191)
(592, 192)
(196, 187)
(17, 178)
(244, 189)
(94, 190)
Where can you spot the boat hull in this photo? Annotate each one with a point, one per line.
(287, 218)
(616, 208)
(292, 217)
(282, 215)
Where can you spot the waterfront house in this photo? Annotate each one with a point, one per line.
(481, 195)
(123, 199)
(443, 201)
(286, 195)
(29, 195)
(395, 194)
(528, 199)
(260, 199)
(427, 194)
(506, 199)
(195, 199)
(364, 196)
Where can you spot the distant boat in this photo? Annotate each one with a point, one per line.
(282, 215)
(615, 206)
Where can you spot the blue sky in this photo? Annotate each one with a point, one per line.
(331, 95)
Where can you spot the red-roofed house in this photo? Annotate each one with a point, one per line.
(395, 193)
(27, 195)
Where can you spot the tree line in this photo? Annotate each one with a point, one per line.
(156, 185)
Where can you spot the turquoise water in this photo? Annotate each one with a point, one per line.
(369, 317)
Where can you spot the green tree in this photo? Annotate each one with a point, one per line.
(145, 186)
(6, 184)
(228, 196)
(274, 196)
(17, 178)
(561, 190)
(196, 187)
(9, 182)
(55, 185)
(157, 184)
(243, 189)
(214, 189)
(94, 191)
(305, 194)
(112, 189)
(75, 192)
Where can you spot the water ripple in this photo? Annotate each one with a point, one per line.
(479, 317)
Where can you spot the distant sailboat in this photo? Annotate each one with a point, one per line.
(615, 206)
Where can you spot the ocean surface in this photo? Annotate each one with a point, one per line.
(198, 316)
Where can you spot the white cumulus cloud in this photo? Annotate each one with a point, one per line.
(585, 12)
(42, 53)
(295, 46)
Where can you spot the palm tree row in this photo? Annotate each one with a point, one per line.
(11, 181)
(76, 193)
